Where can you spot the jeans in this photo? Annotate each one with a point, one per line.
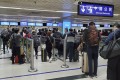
(92, 59)
(70, 50)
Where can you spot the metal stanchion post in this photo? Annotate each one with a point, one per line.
(27, 57)
(54, 59)
(0, 45)
(32, 68)
(64, 64)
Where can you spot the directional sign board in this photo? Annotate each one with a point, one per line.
(95, 9)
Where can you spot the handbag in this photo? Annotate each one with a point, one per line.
(111, 50)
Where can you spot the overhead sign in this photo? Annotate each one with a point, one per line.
(95, 9)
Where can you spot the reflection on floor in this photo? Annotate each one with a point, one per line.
(46, 70)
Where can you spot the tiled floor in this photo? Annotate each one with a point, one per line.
(46, 70)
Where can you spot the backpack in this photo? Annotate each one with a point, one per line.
(36, 41)
(5, 35)
(15, 40)
(93, 37)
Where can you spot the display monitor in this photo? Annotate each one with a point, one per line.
(44, 24)
(60, 24)
(85, 25)
(74, 25)
(111, 25)
(14, 23)
(39, 24)
(55, 24)
(5, 23)
(95, 9)
(49, 24)
(97, 25)
(101, 25)
(31, 24)
(23, 23)
(80, 25)
(106, 25)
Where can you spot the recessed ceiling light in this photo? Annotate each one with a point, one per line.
(116, 14)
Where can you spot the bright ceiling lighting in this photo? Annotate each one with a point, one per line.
(116, 14)
(29, 16)
(35, 9)
(82, 18)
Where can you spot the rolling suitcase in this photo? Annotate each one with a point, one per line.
(85, 65)
(76, 56)
(43, 53)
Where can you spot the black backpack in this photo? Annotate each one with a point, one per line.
(15, 40)
(36, 41)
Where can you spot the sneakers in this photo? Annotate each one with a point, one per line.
(95, 76)
(91, 77)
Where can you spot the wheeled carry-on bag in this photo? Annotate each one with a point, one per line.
(43, 53)
(76, 56)
(85, 65)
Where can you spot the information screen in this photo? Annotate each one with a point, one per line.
(23, 23)
(31, 24)
(55, 24)
(80, 25)
(95, 9)
(49, 24)
(39, 24)
(74, 25)
(14, 23)
(5, 23)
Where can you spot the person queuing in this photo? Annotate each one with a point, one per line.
(5, 35)
(58, 36)
(70, 44)
(113, 64)
(15, 41)
(49, 43)
(91, 37)
(36, 43)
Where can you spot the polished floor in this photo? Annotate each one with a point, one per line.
(46, 70)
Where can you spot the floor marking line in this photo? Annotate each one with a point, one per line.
(45, 73)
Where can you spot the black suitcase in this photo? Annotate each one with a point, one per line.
(43, 55)
(76, 56)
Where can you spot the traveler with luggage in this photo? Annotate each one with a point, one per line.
(113, 64)
(58, 36)
(49, 44)
(15, 41)
(5, 35)
(92, 37)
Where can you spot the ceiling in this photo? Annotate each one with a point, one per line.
(50, 10)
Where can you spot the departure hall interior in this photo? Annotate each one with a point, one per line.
(49, 15)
